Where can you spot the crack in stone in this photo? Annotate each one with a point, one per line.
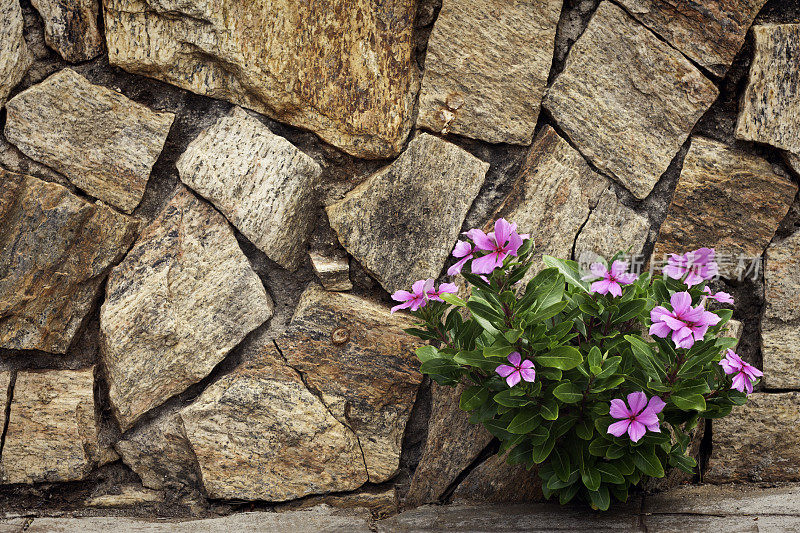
(9, 396)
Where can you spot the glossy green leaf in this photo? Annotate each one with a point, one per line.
(568, 392)
(563, 358)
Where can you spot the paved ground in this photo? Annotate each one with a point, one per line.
(720, 509)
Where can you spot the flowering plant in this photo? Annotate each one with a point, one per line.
(598, 379)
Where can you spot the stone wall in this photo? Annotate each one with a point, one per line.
(205, 205)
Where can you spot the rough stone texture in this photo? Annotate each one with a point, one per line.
(261, 182)
(452, 445)
(52, 434)
(402, 222)
(611, 228)
(769, 110)
(333, 272)
(553, 196)
(362, 363)
(709, 32)
(5, 382)
(55, 251)
(127, 496)
(758, 441)
(727, 200)
(780, 330)
(70, 28)
(495, 481)
(180, 301)
(734, 329)
(160, 454)
(103, 142)
(486, 68)
(260, 434)
(733, 500)
(627, 100)
(15, 58)
(339, 68)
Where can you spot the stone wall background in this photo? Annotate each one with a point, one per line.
(155, 407)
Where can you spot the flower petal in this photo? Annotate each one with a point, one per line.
(656, 404)
(485, 264)
(598, 269)
(636, 431)
(681, 302)
(619, 409)
(514, 358)
(505, 370)
(618, 429)
(481, 240)
(614, 289)
(618, 267)
(456, 268)
(601, 287)
(528, 374)
(660, 329)
(462, 249)
(637, 402)
(513, 379)
(502, 231)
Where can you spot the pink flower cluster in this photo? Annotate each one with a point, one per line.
(637, 419)
(499, 244)
(517, 370)
(421, 292)
(687, 324)
(744, 373)
(611, 279)
(697, 266)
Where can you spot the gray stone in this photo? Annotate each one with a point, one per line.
(769, 110)
(486, 68)
(403, 221)
(362, 363)
(674, 523)
(261, 182)
(736, 500)
(57, 249)
(15, 57)
(52, 433)
(757, 441)
(260, 434)
(780, 351)
(333, 272)
(553, 196)
(343, 69)
(496, 481)
(725, 199)
(70, 28)
(611, 228)
(103, 142)
(709, 32)
(180, 301)
(627, 100)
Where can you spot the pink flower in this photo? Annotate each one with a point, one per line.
(444, 288)
(612, 280)
(517, 370)
(686, 323)
(721, 297)
(746, 374)
(501, 243)
(416, 298)
(636, 420)
(698, 266)
(465, 251)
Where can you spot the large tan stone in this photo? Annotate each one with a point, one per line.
(15, 57)
(103, 142)
(362, 363)
(343, 69)
(261, 182)
(180, 301)
(52, 433)
(70, 28)
(55, 251)
(260, 434)
(758, 441)
(725, 199)
(496, 481)
(403, 221)
(627, 99)
(486, 68)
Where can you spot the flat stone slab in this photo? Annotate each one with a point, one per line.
(402, 222)
(769, 110)
(103, 142)
(627, 100)
(486, 68)
(758, 441)
(260, 181)
(70, 28)
(260, 434)
(727, 200)
(356, 87)
(183, 297)
(735, 499)
(15, 57)
(710, 33)
(57, 250)
(333, 272)
(362, 363)
(52, 433)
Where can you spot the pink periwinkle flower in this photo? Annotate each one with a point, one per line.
(465, 251)
(697, 266)
(612, 279)
(745, 373)
(416, 298)
(638, 418)
(500, 243)
(517, 370)
(444, 288)
(686, 323)
(721, 297)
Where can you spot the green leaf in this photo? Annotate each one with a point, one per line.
(473, 397)
(525, 421)
(546, 313)
(598, 447)
(560, 462)
(520, 454)
(562, 357)
(645, 459)
(569, 269)
(542, 451)
(600, 498)
(474, 358)
(615, 452)
(441, 367)
(609, 473)
(590, 477)
(630, 309)
(498, 350)
(687, 401)
(568, 493)
(549, 373)
(509, 398)
(549, 410)
(539, 434)
(684, 462)
(452, 299)
(568, 392)
(644, 355)
(585, 429)
(513, 335)
(595, 357)
(426, 353)
(610, 366)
